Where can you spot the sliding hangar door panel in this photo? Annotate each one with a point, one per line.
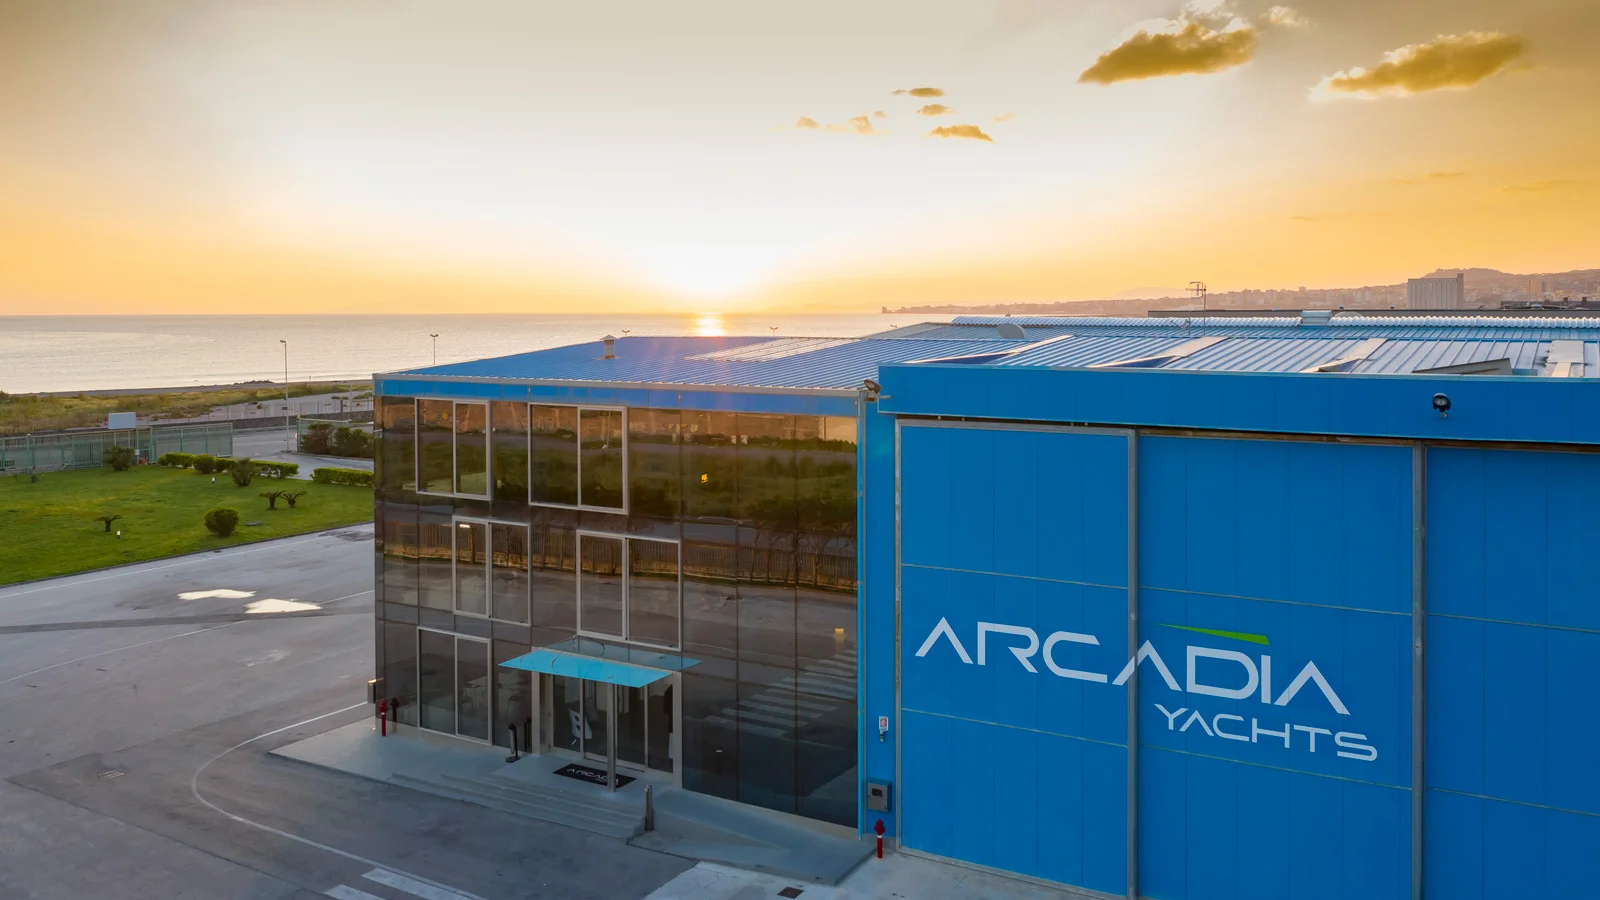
(1013, 609)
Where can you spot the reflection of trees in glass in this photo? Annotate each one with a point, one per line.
(553, 451)
(655, 462)
(435, 445)
(508, 430)
(600, 443)
(472, 448)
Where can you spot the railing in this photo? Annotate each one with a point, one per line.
(85, 449)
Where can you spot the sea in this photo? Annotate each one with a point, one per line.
(84, 353)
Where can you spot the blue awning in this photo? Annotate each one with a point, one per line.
(590, 660)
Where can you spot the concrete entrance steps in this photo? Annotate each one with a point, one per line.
(700, 827)
(532, 802)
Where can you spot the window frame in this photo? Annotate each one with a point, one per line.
(455, 680)
(578, 462)
(627, 578)
(455, 475)
(488, 565)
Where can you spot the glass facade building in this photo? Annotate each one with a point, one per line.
(721, 546)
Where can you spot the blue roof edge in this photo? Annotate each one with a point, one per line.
(1482, 408)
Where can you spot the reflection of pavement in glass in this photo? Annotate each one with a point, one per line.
(795, 701)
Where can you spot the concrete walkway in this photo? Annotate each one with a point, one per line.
(895, 876)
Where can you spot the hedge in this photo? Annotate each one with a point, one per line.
(264, 468)
(176, 460)
(328, 475)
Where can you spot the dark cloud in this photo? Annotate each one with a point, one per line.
(1448, 61)
(1194, 49)
(934, 109)
(806, 122)
(969, 132)
(1538, 187)
(921, 92)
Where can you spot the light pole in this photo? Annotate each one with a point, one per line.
(435, 348)
(288, 443)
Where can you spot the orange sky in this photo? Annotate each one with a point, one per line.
(300, 156)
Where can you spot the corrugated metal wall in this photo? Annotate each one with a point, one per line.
(1275, 598)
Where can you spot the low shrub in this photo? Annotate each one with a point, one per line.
(315, 439)
(176, 460)
(269, 469)
(205, 463)
(120, 459)
(243, 471)
(353, 442)
(294, 496)
(107, 519)
(272, 497)
(330, 475)
(222, 520)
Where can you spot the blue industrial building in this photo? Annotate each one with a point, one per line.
(1292, 607)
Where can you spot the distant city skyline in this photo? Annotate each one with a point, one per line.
(517, 156)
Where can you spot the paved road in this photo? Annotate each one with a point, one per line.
(136, 723)
(269, 444)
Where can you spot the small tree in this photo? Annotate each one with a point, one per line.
(272, 498)
(108, 519)
(292, 496)
(222, 520)
(119, 458)
(243, 471)
(205, 464)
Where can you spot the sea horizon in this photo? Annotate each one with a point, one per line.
(66, 353)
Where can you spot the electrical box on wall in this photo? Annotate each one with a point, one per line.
(878, 796)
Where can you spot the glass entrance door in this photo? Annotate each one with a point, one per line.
(644, 724)
(453, 684)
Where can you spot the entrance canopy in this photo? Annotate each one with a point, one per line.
(597, 661)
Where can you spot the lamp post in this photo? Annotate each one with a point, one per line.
(435, 348)
(288, 443)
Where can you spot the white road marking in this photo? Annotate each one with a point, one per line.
(342, 892)
(412, 886)
(194, 789)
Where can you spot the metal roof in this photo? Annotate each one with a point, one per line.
(1343, 344)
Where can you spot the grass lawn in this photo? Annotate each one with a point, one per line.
(48, 528)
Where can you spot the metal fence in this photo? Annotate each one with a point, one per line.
(85, 449)
(244, 413)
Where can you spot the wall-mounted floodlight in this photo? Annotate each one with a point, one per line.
(1442, 404)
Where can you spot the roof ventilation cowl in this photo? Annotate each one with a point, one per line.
(1316, 316)
(611, 347)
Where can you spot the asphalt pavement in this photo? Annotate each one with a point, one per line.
(137, 706)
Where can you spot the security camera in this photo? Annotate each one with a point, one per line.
(871, 385)
(1442, 404)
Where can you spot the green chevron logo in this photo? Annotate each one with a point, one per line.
(1234, 635)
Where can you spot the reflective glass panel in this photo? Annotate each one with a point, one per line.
(662, 720)
(553, 560)
(400, 670)
(509, 443)
(400, 541)
(825, 462)
(710, 593)
(509, 572)
(436, 660)
(766, 471)
(553, 451)
(435, 445)
(472, 571)
(397, 444)
(472, 449)
(767, 737)
(601, 466)
(653, 592)
(513, 697)
(435, 556)
(710, 735)
(472, 685)
(631, 714)
(654, 462)
(566, 714)
(600, 585)
(710, 467)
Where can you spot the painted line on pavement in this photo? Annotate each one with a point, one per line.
(344, 892)
(412, 886)
(194, 789)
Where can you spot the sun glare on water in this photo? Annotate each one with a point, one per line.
(710, 325)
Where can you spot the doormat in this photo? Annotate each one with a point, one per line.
(593, 776)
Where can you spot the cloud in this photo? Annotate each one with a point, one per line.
(970, 132)
(856, 125)
(880, 114)
(1194, 49)
(1450, 61)
(921, 92)
(806, 122)
(1431, 176)
(1537, 187)
(1005, 117)
(1285, 17)
(934, 109)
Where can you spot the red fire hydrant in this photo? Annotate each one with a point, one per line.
(879, 829)
(383, 718)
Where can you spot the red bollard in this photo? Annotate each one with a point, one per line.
(879, 829)
(383, 717)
